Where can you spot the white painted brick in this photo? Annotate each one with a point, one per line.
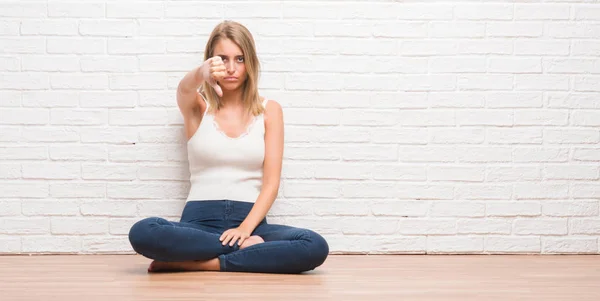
(144, 81)
(486, 11)
(368, 117)
(24, 152)
(10, 171)
(428, 47)
(163, 190)
(456, 29)
(137, 10)
(136, 153)
(22, 9)
(156, 98)
(586, 83)
(586, 154)
(78, 152)
(77, 225)
(324, 134)
(301, 170)
(564, 65)
(313, 117)
(109, 64)
(262, 10)
(541, 47)
(10, 244)
(78, 116)
(514, 136)
(78, 190)
(348, 244)
(339, 207)
(512, 208)
(112, 135)
(404, 135)
(399, 172)
(487, 46)
(493, 82)
(79, 81)
(50, 99)
(560, 136)
(311, 153)
(24, 116)
(514, 65)
(320, 189)
(335, 170)
(534, 226)
(534, 11)
(100, 99)
(575, 172)
(9, 27)
(426, 118)
(457, 65)
(538, 154)
(51, 244)
(569, 208)
(50, 63)
(382, 244)
(454, 244)
(10, 63)
(456, 173)
(513, 173)
(175, 172)
(164, 62)
(49, 27)
(51, 170)
(536, 190)
(370, 153)
(588, 226)
(370, 82)
(169, 135)
(78, 45)
(24, 189)
(137, 117)
(572, 100)
(440, 226)
(585, 118)
(585, 190)
(20, 225)
(573, 30)
(109, 244)
(457, 208)
(541, 117)
(121, 226)
(427, 154)
(484, 226)
(512, 244)
(456, 99)
(91, 171)
(10, 98)
(566, 245)
(514, 29)
(343, 29)
(427, 82)
(483, 154)
(9, 134)
(24, 81)
(369, 226)
(585, 47)
(175, 27)
(50, 207)
(73, 9)
(25, 45)
(585, 12)
(299, 10)
(135, 45)
(10, 207)
(294, 207)
(399, 208)
(514, 100)
(160, 208)
(108, 208)
(457, 136)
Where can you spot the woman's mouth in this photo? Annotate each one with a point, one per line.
(230, 78)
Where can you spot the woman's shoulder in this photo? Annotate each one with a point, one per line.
(272, 108)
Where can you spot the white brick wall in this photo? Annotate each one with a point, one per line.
(411, 126)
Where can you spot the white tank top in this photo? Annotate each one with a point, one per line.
(226, 168)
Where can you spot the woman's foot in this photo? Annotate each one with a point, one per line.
(207, 265)
(252, 240)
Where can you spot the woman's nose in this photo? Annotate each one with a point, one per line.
(230, 67)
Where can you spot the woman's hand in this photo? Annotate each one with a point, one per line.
(212, 70)
(232, 235)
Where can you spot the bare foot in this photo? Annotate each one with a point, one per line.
(252, 240)
(207, 265)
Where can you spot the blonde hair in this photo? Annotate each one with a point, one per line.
(242, 37)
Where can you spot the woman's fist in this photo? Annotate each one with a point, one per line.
(213, 70)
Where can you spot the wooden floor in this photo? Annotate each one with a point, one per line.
(342, 277)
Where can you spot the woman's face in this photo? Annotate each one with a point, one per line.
(234, 61)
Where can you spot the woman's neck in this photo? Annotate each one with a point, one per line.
(232, 98)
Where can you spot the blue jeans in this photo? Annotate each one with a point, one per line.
(196, 237)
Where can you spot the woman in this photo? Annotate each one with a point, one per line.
(235, 152)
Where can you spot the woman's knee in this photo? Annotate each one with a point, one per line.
(140, 234)
(318, 248)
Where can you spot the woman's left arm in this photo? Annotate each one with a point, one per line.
(271, 176)
(272, 166)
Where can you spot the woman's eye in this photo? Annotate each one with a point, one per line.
(240, 59)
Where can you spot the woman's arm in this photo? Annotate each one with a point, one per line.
(274, 138)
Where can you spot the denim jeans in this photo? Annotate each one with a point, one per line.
(196, 237)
